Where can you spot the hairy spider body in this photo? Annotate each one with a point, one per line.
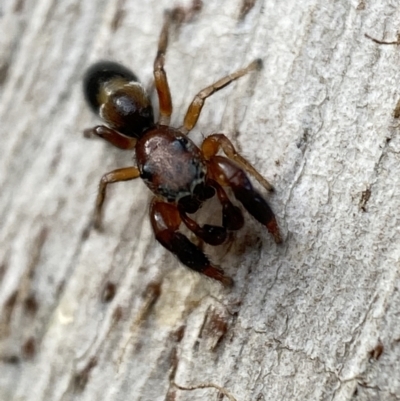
(180, 174)
(170, 164)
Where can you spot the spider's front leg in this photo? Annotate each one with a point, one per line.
(213, 143)
(165, 219)
(228, 173)
(194, 110)
(176, 15)
(160, 76)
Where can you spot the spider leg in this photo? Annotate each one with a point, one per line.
(194, 110)
(228, 173)
(176, 15)
(160, 76)
(232, 217)
(213, 235)
(111, 136)
(122, 174)
(213, 143)
(165, 219)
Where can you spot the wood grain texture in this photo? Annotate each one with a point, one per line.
(113, 316)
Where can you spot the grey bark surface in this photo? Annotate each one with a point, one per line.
(304, 317)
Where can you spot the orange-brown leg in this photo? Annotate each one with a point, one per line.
(165, 220)
(111, 136)
(228, 173)
(194, 110)
(122, 174)
(177, 15)
(160, 76)
(213, 143)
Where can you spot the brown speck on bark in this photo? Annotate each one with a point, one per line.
(178, 334)
(182, 15)
(361, 5)
(3, 72)
(9, 306)
(396, 111)
(377, 351)
(365, 195)
(11, 359)
(19, 5)
(31, 305)
(247, 5)
(214, 328)
(118, 16)
(82, 377)
(117, 315)
(29, 348)
(109, 292)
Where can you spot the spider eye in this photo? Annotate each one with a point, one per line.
(180, 143)
(146, 174)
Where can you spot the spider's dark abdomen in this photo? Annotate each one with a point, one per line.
(170, 163)
(114, 93)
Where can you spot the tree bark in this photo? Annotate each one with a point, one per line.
(112, 315)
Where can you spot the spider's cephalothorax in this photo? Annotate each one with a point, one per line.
(171, 165)
(180, 174)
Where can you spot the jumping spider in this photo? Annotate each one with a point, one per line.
(181, 175)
